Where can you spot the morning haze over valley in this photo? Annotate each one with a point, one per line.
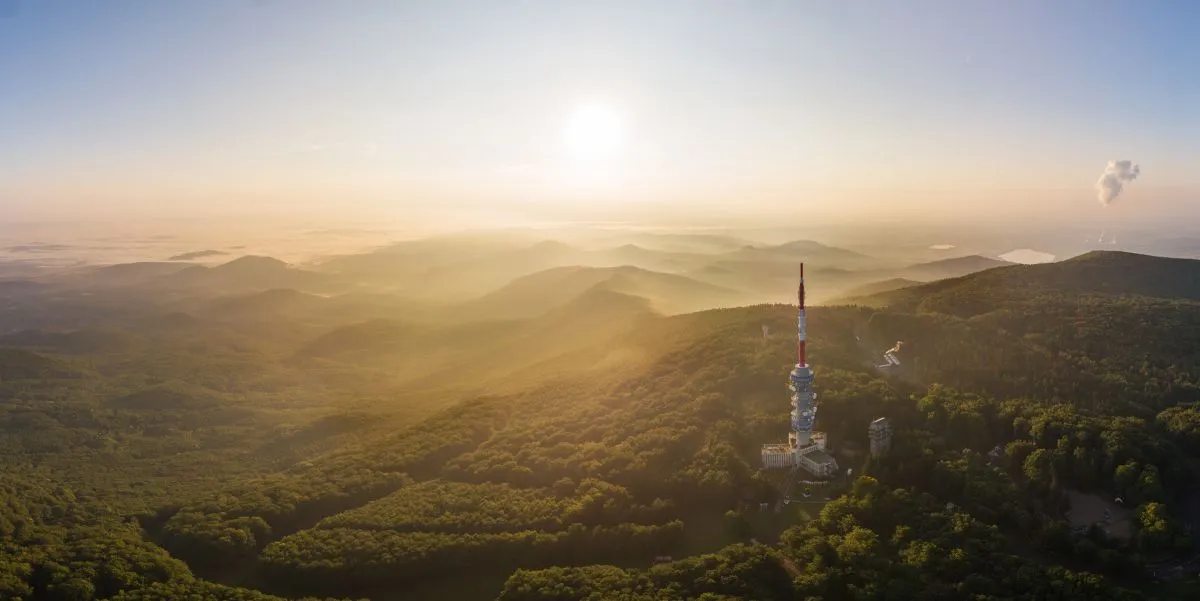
(599, 301)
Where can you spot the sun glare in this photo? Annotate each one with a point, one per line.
(592, 132)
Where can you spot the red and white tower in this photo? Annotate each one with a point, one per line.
(804, 448)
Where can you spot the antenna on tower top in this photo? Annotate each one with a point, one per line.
(801, 326)
(800, 292)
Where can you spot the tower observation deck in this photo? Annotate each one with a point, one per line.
(804, 448)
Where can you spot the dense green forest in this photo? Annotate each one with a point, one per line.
(283, 447)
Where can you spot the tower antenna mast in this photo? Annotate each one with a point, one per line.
(801, 326)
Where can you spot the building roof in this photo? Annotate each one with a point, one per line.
(818, 456)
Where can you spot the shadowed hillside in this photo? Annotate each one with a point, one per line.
(16, 364)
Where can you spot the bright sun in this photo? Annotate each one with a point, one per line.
(592, 132)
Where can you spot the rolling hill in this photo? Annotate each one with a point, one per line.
(395, 263)
(121, 274)
(386, 454)
(596, 312)
(197, 254)
(455, 270)
(775, 281)
(466, 278)
(171, 397)
(873, 288)
(1104, 273)
(645, 258)
(802, 250)
(452, 274)
(91, 340)
(247, 274)
(376, 336)
(538, 293)
(678, 242)
(18, 364)
(274, 303)
(572, 337)
(951, 268)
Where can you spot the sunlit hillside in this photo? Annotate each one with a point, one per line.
(233, 436)
(599, 301)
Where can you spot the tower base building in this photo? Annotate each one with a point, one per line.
(812, 458)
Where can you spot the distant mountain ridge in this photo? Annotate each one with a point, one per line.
(197, 254)
(800, 250)
(540, 292)
(127, 274)
(457, 279)
(428, 271)
(249, 273)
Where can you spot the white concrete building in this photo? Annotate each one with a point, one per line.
(776, 456)
(880, 432)
(817, 462)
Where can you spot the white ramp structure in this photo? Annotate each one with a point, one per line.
(889, 356)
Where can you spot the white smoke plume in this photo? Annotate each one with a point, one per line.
(1112, 181)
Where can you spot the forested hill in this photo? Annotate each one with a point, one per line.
(605, 451)
(1107, 273)
(947, 268)
(1108, 329)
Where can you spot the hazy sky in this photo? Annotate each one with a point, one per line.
(113, 107)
